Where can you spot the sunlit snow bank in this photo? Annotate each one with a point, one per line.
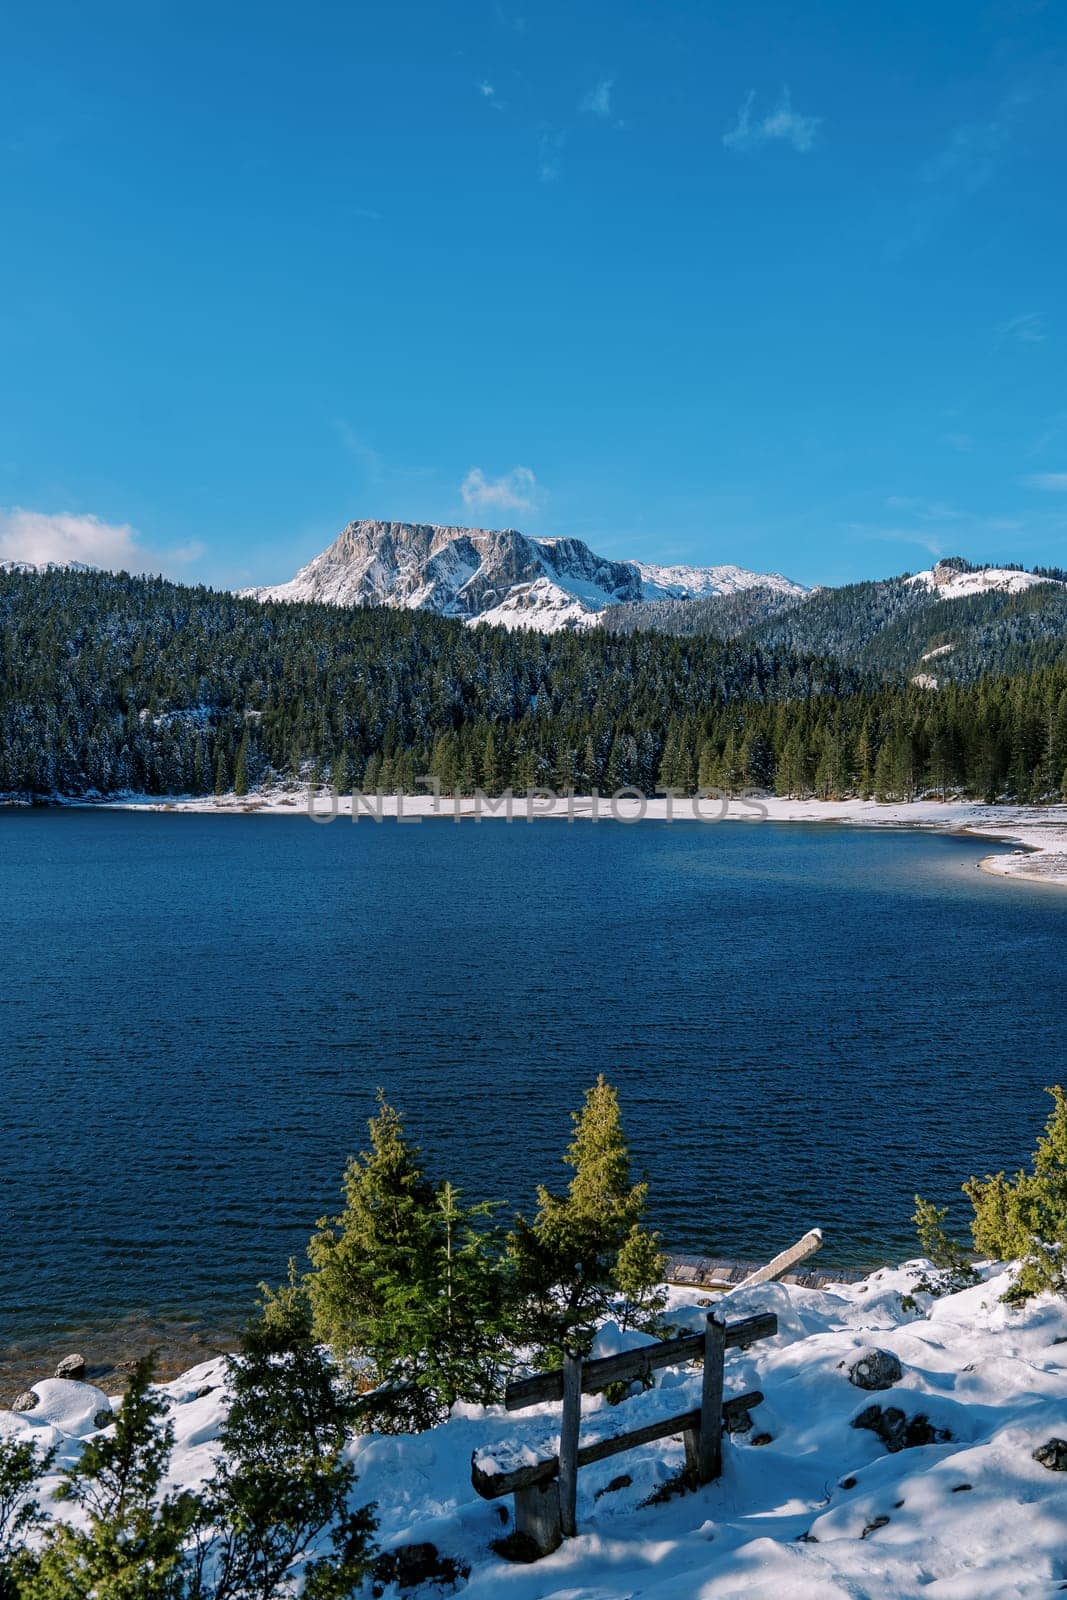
(820, 1510)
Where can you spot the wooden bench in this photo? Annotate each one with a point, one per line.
(546, 1491)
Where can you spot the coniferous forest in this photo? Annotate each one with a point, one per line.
(110, 683)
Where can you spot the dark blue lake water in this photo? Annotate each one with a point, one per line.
(806, 1024)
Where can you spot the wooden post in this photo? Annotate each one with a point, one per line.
(570, 1423)
(537, 1516)
(710, 1451)
(691, 1441)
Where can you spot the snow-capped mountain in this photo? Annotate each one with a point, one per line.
(950, 581)
(495, 575)
(697, 583)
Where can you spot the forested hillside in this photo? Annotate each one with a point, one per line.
(892, 626)
(111, 683)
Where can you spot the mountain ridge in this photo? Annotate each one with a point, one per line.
(497, 576)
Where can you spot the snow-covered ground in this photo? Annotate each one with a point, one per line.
(1034, 837)
(817, 1509)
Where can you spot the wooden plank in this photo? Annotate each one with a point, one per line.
(785, 1260)
(709, 1452)
(710, 1272)
(494, 1485)
(570, 1424)
(544, 1387)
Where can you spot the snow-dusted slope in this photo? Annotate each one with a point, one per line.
(696, 583)
(809, 1507)
(493, 575)
(950, 583)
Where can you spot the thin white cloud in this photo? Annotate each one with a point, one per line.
(1054, 482)
(375, 468)
(487, 90)
(550, 144)
(925, 510)
(63, 537)
(970, 158)
(514, 491)
(1026, 329)
(973, 152)
(598, 101)
(894, 535)
(962, 443)
(783, 123)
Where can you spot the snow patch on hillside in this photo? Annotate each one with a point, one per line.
(950, 583)
(820, 1509)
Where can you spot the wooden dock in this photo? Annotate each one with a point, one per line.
(711, 1272)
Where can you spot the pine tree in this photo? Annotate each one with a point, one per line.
(281, 1483)
(240, 769)
(341, 774)
(490, 765)
(130, 1542)
(954, 1269)
(407, 1281)
(222, 767)
(586, 1246)
(374, 1243)
(1025, 1218)
(21, 1468)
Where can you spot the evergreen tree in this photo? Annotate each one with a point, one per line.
(281, 1483)
(341, 774)
(490, 766)
(21, 1467)
(586, 1247)
(406, 1283)
(130, 1542)
(222, 767)
(955, 1271)
(1025, 1218)
(240, 769)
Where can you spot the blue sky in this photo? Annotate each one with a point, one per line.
(776, 284)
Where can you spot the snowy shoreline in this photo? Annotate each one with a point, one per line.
(944, 1481)
(1034, 837)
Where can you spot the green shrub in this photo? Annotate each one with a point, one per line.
(130, 1544)
(280, 1491)
(281, 1486)
(21, 1466)
(1025, 1218)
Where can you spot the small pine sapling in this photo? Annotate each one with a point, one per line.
(1024, 1218)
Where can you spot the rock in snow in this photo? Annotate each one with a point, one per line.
(820, 1510)
(495, 575)
(1052, 1454)
(897, 1430)
(875, 1369)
